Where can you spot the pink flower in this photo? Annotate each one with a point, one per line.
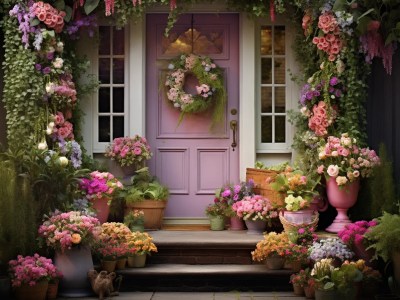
(333, 170)
(320, 169)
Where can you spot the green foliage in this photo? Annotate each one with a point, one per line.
(17, 213)
(385, 237)
(145, 186)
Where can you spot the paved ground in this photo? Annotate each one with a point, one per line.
(201, 296)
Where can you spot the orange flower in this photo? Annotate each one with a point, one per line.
(76, 238)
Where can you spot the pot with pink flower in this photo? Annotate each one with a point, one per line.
(343, 163)
(99, 189)
(130, 153)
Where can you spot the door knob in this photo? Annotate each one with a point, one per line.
(233, 125)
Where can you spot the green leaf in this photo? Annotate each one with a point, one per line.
(59, 4)
(68, 13)
(365, 14)
(34, 22)
(339, 5)
(90, 5)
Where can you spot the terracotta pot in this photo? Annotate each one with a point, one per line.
(342, 199)
(52, 290)
(298, 290)
(102, 208)
(236, 223)
(217, 223)
(137, 261)
(255, 227)
(153, 212)
(121, 263)
(309, 292)
(108, 265)
(34, 292)
(74, 264)
(275, 262)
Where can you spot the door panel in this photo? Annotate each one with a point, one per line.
(190, 159)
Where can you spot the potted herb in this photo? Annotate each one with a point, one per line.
(146, 193)
(216, 212)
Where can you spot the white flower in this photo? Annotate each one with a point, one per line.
(63, 161)
(310, 80)
(60, 47)
(58, 63)
(171, 66)
(50, 88)
(42, 145)
(334, 153)
(49, 130)
(322, 155)
(51, 125)
(341, 180)
(333, 170)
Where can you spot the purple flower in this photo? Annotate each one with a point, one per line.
(338, 93)
(334, 81)
(46, 70)
(50, 55)
(38, 67)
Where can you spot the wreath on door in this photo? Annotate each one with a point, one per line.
(210, 90)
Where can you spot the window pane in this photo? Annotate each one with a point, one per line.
(266, 70)
(266, 99)
(118, 100)
(266, 129)
(104, 70)
(266, 40)
(280, 129)
(118, 70)
(118, 41)
(279, 68)
(104, 45)
(104, 129)
(280, 100)
(118, 127)
(104, 100)
(279, 40)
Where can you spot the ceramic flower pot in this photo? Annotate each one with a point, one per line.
(121, 263)
(298, 290)
(108, 265)
(326, 295)
(275, 262)
(236, 223)
(341, 198)
(217, 223)
(303, 216)
(309, 292)
(52, 290)
(102, 208)
(137, 261)
(255, 227)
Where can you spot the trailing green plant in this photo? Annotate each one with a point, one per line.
(145, 186)
(384, 238)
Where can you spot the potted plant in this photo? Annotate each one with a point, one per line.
(216, 212)
(129, 152)
(100, 189)
(384, 238)
(371, 280)
(297, 256)
(302, 235)
(231, 194)
(143, 245)
(256, 211)
(135, 220)
(332, 248)
(353, 236)
(299, 280)
(272, 250)
(30, 276)
(71, 234)
(146, 193)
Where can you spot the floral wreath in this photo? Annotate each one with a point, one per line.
(210, 91)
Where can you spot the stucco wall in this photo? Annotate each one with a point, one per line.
(2, 110)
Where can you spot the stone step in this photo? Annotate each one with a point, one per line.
(203, 247)
(213, 277)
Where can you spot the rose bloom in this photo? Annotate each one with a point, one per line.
(76, 238)
(341, 180)
(320, 169)
(333, 170)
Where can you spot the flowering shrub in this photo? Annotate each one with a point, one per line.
(354, 233)
(31, 269)
(272, 244)
(300, 278)
(254, 208)
(100, 184)
(129, 150)
(63, 230)
(296, 253)
(297, 188)
(341, 158)
(233, 193)
(330, 248)
(302, 236)
(142, 242)
(218, 208)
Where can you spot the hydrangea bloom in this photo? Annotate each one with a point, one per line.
(254, 208)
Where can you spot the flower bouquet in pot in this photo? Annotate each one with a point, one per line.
(299, 281)
(129, 152)
(216, 212)
(332, 248)
(272, 250)
(30, 276)
(232, 194)
(353, 236)
(256, 211)
(297, 256)
(99, 189)
(141, 244)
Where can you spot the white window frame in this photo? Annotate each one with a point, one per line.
(99, 147)
(291, 90)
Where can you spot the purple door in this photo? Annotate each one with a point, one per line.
(190, 159)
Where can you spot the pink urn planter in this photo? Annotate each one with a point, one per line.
(342, 199)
